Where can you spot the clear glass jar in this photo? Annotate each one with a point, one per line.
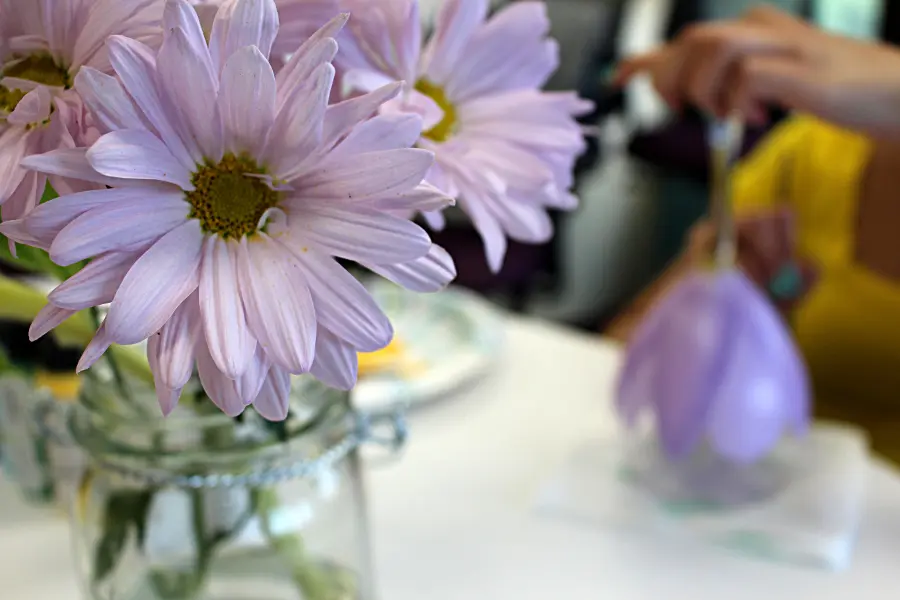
(199, 506)
(24, 451)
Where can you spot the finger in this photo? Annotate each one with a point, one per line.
(750, 261)
(769, 16)
(701, 241)
(783, 79)
(769, 238)
(771, 234)
(628, 68)
(708, 53)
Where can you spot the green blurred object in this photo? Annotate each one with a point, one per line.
(22, 303)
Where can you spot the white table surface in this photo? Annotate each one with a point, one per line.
(455, 519)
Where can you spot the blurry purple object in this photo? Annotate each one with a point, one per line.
(716, 362)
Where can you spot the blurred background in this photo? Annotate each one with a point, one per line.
(643, 181)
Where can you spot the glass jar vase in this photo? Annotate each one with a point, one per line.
(199, 506)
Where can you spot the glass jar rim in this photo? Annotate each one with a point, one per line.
(108, 432)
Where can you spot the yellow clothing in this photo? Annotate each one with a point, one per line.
(848, 327)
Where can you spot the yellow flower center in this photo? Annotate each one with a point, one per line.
(227, 201)
(9, 99)
(40, 68)
(444, 130)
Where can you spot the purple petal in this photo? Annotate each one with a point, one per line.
(227, 335)
(98, 345)
(220, 389)
(13, 147)
(166, 397)
(95, 284)
(107, 100)
(297, 131)
(33, 108)
(762, 391)
(156, 285)
(181, 15)
(71, 163)
(174, 344)
(136, 154)
(186, 77)
(273, 401)
(424, 198)
(243, 23)
(47, 319)
(431, 273)
(373, 175)
(456, 23)
(278, 303)
(135, 64)
(691, 362)
(132, 223)
(352, 114)
(301, 67)
(252, 379)
(343, 305)
(381, 133)
(337, 362)
(247, 101)
(360, 234)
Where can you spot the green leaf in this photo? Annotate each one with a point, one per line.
(109, 550)
(22, 303)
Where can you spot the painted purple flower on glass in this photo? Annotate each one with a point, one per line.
(715, 362)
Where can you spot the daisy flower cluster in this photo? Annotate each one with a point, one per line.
(214, 161)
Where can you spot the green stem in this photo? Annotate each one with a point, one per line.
(314, 581)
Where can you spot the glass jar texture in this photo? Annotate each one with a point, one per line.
(198, 506)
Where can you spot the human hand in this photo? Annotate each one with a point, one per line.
(766, 245)
(770, 58)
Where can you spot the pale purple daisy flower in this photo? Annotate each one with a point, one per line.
(43, 44)
(232, 192)
(298, 20)
(503, 148)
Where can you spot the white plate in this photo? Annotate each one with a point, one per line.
(449, 339)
